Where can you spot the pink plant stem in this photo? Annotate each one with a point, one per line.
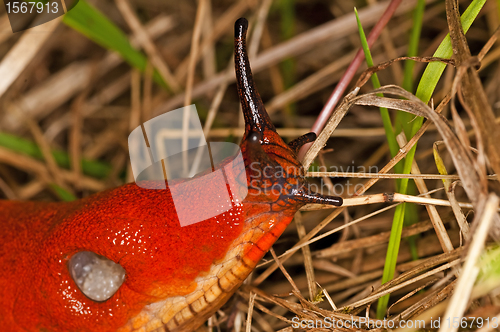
(339, 90)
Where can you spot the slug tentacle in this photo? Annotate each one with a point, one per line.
(297, 143)
(256, 117)
(313, 198)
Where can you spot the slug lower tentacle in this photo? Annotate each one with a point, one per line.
(297, 143)
(175, 277)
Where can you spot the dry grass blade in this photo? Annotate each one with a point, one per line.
(486, 48)
(452, 256)
(472, 88)
(31, 165)
(209, 55)
(361, 175)
(330, 127)
(23, 52)
(413, 292)
(223, 24)
(339, 248)
(429, 301)
(381, 66)
(308, 262)
(459, 300)
(198, 23)
(93, 104)
(75, 77)
(76, 134)
(212, 112)
(135, 110)
(401, 285)
(463, 163)
(258, 30)
(263, 296)
(303, 242)
(450, 192)
(9, 193)
(4, 26)
(290, 280)
(443, 237)
(316, 81)
(385, 198)
(54, 170)
(250, 312)
(145, 41)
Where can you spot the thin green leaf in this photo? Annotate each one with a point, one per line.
(391, 256)
(287, 11)
(64, 195)
(287, 66)
(384, 112)
(418, 16)
(434, 70)
(403, 119)
(89, 167)
(398, 221)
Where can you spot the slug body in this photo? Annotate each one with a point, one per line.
(175, 277)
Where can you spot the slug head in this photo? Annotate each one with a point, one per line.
(275, 175)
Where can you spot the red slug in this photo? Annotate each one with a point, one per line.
(175, 277)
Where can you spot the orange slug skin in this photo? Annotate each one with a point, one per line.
(170, 270)
(129, 225)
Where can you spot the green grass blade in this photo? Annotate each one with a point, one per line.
(286, 9)
(391, 256)
(398, 221)
(89, 167)
(63, 194)
(434, 70)
(287, 12)
(384, 112)
(418, 16)
(403, 119)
